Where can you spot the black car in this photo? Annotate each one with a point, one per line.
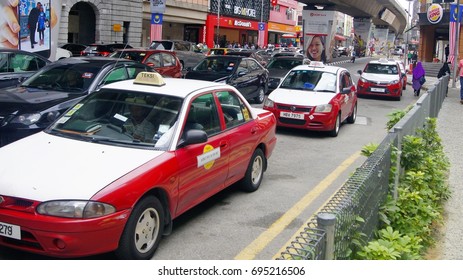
(75, 49)
(32, 106)
(17, 65)
(251, 54)
(245, 74)
(103, 49)
(279, 66)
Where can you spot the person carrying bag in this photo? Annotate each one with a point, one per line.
(418, 78)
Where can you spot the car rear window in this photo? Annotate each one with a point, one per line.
(164, 45)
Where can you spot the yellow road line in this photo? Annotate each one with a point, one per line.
(279, 225)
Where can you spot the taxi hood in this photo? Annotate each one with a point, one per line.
(301, 97)
(45, 167)
(380, 77)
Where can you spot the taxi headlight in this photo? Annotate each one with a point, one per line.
(363, 80)
(393, 82)
(325, 108)
(268, 103)
(27, 119)
(75, 209)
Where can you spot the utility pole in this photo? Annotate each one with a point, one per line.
(218, 25)
(455, 47)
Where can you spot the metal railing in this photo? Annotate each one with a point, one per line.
(329, 234)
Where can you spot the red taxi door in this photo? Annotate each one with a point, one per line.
(347, 99)
(203, 167)
(240, 131)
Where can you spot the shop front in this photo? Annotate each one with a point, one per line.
(230, 31)
(282, 34)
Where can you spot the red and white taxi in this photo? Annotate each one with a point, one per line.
(381, 78)
(314, 97)
(113, 172)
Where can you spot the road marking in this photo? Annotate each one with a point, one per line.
(262, 241)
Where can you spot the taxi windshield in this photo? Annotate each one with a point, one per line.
(119, 117)
(310, 80)
(381, 69)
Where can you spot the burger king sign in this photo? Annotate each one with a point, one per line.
(435, 13)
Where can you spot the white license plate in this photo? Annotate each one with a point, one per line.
(11, 231)
(377, 89)
(291, 115)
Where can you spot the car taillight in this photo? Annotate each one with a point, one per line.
(105, 53)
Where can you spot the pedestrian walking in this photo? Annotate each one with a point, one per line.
(409, 57)
(352, 59)
(418, 78)
(447, 52)
(460, 71)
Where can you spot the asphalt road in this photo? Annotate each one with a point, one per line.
(304, 171)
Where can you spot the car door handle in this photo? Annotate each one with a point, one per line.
(253, 130)
(223, 145)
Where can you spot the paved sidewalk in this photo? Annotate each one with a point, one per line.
(450, 129)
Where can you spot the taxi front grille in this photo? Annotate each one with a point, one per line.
(294, 108)
(28, 241)
(18, 204)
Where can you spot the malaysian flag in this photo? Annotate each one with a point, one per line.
(261, 39)
(156, 27)
(453, 26)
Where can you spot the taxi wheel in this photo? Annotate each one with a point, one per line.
(337, 126)
(353, 115)
(254, 173)
(260, 98)
(143, 230)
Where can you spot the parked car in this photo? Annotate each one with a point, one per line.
(218, 51)
(188, 53)
(32, 106)
(246, 74)
(381, 78)
(62, 53)
(99, 188)
(404, 74)
(17, 65)
(249, 53)
(342, 51)
(164, 62)
(286, 53)
(314, 97)
(103, 49)
(278, 67)
(75, 49)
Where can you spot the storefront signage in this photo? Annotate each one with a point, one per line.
(242, 23)
(158, 6)
(435, 13)
(247, 12)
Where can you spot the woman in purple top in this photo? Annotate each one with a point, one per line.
(418, 78)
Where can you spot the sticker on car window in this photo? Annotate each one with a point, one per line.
(87, 75)
(74, 109)
(207, 159)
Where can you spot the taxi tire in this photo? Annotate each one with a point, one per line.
(259, 99)
(254, 173)
(353, 116)
(147, 217)
(337, 126)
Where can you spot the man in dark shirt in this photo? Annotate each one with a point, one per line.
(447, 52)
(32, 22)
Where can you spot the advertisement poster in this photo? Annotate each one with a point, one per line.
(318, 34)
(30, 25)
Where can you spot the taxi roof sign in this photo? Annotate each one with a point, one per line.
(316, 64)
(149, 78)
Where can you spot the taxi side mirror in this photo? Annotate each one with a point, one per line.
(346, 90)
(192, 136)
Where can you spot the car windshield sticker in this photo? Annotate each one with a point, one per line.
(63, 120)
(87, 75)
(246, 114)
(208, 157)
(73, 110)
(120, 117)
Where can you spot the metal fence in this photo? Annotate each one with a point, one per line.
(329, 234)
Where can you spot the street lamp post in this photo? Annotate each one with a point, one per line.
(218, 24)
(409, 23)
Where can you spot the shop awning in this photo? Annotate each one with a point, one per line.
(339, 37)
(289, 35)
